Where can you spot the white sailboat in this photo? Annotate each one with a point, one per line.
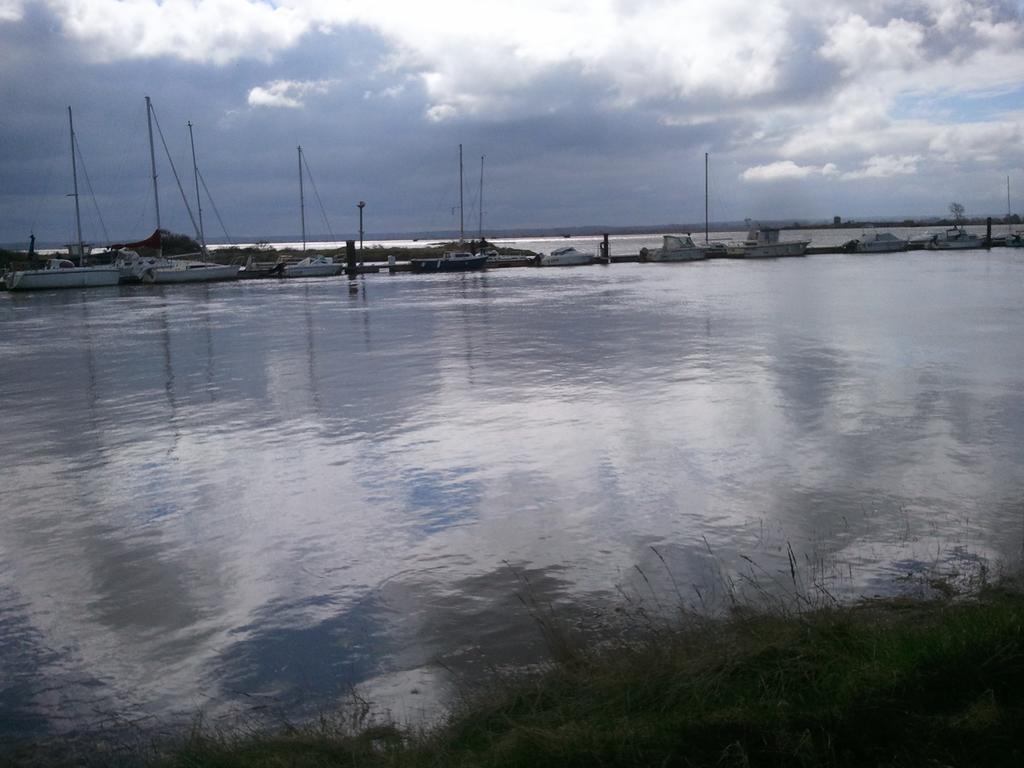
(62, 273)
(179, 269)
(310, 266)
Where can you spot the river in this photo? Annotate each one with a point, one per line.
(262, 495)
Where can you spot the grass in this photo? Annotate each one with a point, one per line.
(882, 683)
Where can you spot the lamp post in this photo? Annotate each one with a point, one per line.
(361, 206)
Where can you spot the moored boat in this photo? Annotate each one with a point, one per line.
(313, 266)
(681, 248)
(764, 243)
(954, 238)
(1015, 240)
(565, 257)
(61, 273)
(878, 242)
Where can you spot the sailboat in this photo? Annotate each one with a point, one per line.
(453, 261)
(62, 273)
(311, 266)
(157, 268)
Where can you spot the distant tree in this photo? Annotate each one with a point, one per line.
(174, 243)
(957, 210)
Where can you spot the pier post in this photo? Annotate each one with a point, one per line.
(350, 259)
(391, 263)
(605, 250)
(988, 232)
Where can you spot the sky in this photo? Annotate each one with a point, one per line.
(586, 112)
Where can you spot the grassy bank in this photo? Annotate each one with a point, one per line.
(883, 683)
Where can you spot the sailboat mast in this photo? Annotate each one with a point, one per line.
(462, 226)
(482, 197)
(706, 241)
(302, 201)
(74, 176)
(152, 160)
(199, 200)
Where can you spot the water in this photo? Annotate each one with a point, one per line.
(259, 494)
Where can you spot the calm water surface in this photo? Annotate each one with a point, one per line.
(260, 494)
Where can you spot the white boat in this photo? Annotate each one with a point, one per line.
(156, 268)
(763, 243)
(681, 248)
(956, 237)
(313, 266)
(180, 269)
(566, 257)
(879, 242)
(453, 261)
(61, 273)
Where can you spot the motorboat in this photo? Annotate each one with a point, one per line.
(61, 273)
(878, 242)
(954, 238)
(565, 257)
(1015, 240)
(452, 261)
(763, 243)
(681, 248)
(313, 266)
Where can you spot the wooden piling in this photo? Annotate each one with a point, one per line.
(988, 232)
(606, 253)
(350, 259)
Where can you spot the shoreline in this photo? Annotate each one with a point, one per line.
(897, 681)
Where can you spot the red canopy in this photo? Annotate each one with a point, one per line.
(153, 241)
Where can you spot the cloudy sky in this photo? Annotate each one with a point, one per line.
(588, 111)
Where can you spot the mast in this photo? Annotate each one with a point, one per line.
(152, 159)
(482, 197)
(462, 226)
(302, 201)
(706, 241)
(74, 176)
(1008, 214)
(199, 201)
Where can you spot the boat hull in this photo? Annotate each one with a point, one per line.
(768, 251)
(204, 274)
(448, 265)
(881, 247)
(312, 270)
(953, 245)
(573, 260)
(77, 277)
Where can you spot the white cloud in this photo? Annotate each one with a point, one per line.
(786, 169)
(882, 167)
(287, 93)
(207, 31)
(11, 10)
(857, 46)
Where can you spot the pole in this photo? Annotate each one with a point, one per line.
(482, 198)
(74, 176)
(199, 200)
(706, 200)
(152, 160)
(302, 201)
(462, 226)
(361, 206)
